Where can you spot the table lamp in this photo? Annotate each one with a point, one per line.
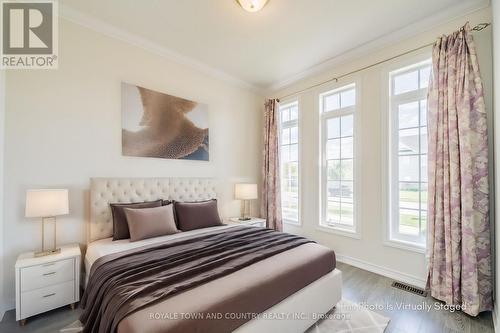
(245, 192)
(47, 204)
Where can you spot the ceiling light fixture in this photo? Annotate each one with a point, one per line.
(252, 5)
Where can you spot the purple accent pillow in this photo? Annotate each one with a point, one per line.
(146, 223)
(196, 215)
(120, 226)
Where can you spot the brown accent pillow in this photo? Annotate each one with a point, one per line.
(120, 226)
(196, 215)
(168, 202)
(150, 222)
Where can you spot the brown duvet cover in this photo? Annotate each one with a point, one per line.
(213, 282)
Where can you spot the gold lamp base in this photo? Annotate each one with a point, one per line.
(54, 250)
(47, 252)
(245, 210)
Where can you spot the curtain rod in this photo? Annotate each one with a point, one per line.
(478, 27)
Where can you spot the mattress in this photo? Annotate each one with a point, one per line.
(223, 304)
(102, 247)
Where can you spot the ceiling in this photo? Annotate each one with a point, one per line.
(285, 38)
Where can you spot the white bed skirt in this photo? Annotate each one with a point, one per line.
(296, 313)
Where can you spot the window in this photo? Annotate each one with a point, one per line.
(338, 179)
(289, 150)
(408, 154)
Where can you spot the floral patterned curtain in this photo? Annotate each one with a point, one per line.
(271, 199)
(458, 243)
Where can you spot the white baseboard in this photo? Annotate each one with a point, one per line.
(496, 325)
(6, 306)
(384, 271)
(3, 308)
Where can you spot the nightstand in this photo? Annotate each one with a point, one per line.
(254, 221)
(46, 283)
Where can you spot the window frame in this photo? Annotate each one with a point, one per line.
(353, 231)
(390, 188)
(292, 123)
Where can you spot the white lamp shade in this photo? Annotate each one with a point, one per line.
(46, 202)
(245, 191)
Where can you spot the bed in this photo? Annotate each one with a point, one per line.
(283, 291)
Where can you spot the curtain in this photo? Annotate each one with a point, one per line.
(458, 243)
(271, 199)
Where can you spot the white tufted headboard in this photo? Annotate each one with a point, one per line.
(104, 191)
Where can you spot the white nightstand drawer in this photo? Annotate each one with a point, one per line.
(47, 282)
(48, 298)
(47, 274)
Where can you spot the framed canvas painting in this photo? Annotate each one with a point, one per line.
(156, 124)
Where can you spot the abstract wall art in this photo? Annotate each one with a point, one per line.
(159, 125)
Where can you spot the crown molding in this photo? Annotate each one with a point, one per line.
(411, 30)
(97, 25)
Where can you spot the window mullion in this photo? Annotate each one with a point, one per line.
(340, 175)
(419, 169)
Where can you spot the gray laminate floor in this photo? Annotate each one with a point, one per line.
(360, 286)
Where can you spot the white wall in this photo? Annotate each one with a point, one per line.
(496, 68)
(369, 252)
(2, 132)
(64, 126)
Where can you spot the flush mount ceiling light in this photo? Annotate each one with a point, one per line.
(252, 5)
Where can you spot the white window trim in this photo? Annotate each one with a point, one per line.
(356, 234)
(355, 231)
(386, 108)
(288, 101)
